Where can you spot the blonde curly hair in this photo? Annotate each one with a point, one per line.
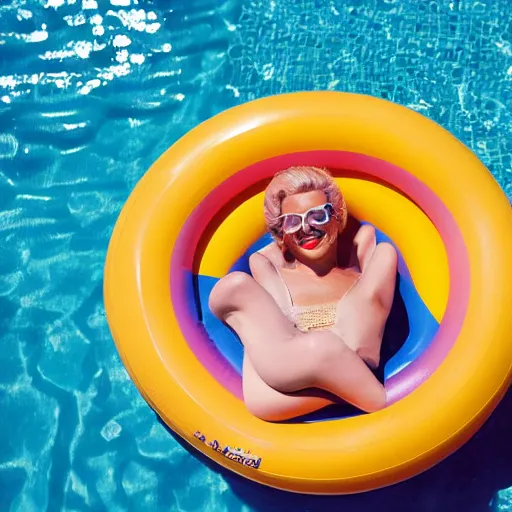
(297, 180)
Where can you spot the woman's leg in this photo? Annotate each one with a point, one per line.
(269, 404)
(286, 359)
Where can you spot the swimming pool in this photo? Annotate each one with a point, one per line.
(91, 93)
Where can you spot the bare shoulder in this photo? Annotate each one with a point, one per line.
(226, 291)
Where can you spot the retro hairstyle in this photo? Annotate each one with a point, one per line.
(297, 180)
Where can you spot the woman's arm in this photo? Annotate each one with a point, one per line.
(365, 243)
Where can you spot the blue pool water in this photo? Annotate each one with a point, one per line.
(91, 93)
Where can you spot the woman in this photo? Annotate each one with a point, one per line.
(314, 312)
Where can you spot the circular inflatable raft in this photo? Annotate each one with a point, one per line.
(197, 214)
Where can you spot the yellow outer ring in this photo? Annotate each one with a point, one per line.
(353, 454)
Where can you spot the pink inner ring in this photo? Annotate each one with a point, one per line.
(357, 165)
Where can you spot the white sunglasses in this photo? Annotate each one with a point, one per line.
(316, 216)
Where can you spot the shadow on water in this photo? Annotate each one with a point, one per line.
(465, 481)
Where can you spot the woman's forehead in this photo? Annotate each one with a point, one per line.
(302, 202)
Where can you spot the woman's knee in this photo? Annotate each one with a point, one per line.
(258, 408)
(387, 255)
(228, 291)
(373, 400)
(258, 403)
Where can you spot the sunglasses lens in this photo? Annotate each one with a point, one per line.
(291, 224)
(318, 217)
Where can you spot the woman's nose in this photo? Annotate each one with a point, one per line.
(306, 227)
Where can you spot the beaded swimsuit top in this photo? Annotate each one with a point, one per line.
(312, 317)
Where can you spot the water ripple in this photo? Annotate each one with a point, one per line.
(91, 93)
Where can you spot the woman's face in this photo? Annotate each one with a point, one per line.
(318, 231)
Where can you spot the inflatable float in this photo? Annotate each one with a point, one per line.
(197, 214)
